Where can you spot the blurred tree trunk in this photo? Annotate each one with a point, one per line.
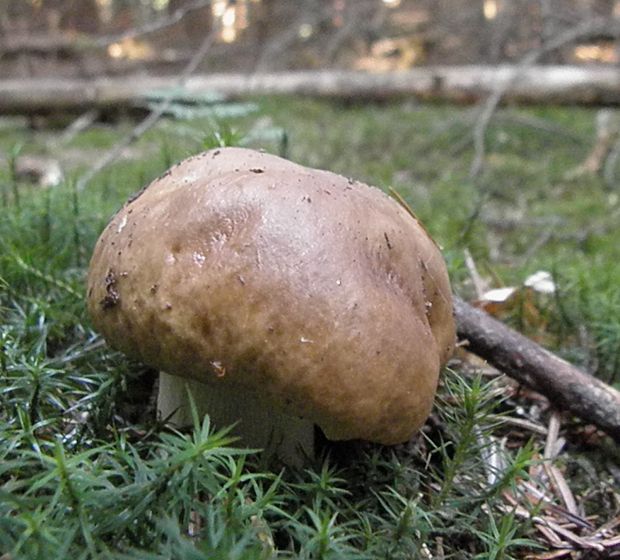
(80, 15)
(51, 10)
(275, 29)
(515, 29)
(196, 25)
(459, 24)
(261, 27)
(602, 8)
(550, 26)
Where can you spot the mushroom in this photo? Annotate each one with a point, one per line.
(282, 297)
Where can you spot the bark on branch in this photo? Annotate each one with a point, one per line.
(566, 386)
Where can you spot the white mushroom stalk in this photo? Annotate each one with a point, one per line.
(258, 424)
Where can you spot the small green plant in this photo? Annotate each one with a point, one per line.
(501, 541)
(222, 137)
(462, 452)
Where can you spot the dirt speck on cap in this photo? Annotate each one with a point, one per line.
(112, 297)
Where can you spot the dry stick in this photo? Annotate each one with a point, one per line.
(480, 286)
(84, 121)
(113, 154)
(566, 386)
(609, 168)
(540, 124)
(587, 28)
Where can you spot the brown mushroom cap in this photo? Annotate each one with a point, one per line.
(320, 292)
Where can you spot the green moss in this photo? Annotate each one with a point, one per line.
(86, 472)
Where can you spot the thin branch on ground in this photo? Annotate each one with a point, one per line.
(84, 121)
(479, 284)
(565, 385)
(611, 163)
(542, 125)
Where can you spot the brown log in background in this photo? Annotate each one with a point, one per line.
(461, 84)
(566, 386)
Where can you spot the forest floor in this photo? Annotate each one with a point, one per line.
(497, 472)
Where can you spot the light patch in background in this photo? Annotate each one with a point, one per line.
(230, 18)
(105, 10)
(602, 52)
(490, 9)
(229, 32)
(131, 49)
(305, 31)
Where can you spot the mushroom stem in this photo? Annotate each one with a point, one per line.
(257, 423)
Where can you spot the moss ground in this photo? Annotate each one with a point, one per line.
(86, 472)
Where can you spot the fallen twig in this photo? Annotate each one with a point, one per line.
(566, 386)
